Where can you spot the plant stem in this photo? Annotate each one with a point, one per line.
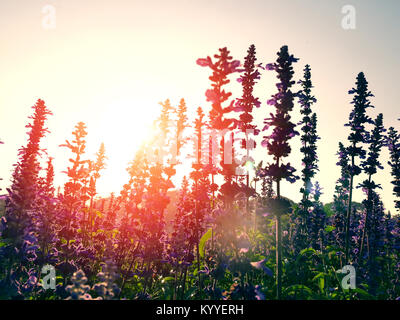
(367, 215)
(349, 211)
(278, 246)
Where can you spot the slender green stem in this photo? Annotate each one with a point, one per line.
(278, 245)
(367, 215)
(347, 234)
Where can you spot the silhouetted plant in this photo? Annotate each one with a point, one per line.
(245, 105)
(309, 136)
(222, 68)
(375, 230)
(72, 214)
(357, 121)
(393, 143)
(370, 166)
(277, 142)
(45, 224)
(1, 142)
(18, 225)
(340, 198)
(23, 190)
(75, 189)
(181, 125)
(94, 170)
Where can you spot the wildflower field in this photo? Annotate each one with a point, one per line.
(227, 230)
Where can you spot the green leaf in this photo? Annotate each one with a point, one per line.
(328, 209)
(298, 288)
(321, 284)
(321, 280)
(363, 293)
(308, 250)
(203, 240)
(304, 252)
(330, 228)
(166, 279)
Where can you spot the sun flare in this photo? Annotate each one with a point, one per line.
(123, 126)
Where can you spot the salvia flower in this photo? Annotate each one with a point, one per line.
(78, 290)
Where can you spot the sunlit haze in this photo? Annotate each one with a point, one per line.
(110, 63)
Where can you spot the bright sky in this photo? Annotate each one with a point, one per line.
(109, 63)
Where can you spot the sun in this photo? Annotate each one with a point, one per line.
(123, 125)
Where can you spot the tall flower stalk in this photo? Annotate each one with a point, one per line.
(393, 143)
(94, 169)
(357, 121)
(76, 190)
(341, 196)
(222, 68)
(370, 166)
(23, 192)
(309, 139)
(309, 136)
(181, 125)
(19, 224)
(277, 143)
(245, 105)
